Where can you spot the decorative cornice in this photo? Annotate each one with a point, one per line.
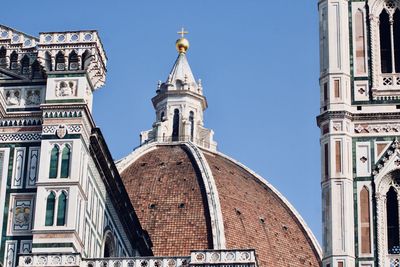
(330, 115)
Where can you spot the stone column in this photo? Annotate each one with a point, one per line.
(381, 212)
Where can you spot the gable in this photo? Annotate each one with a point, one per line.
(6, 75)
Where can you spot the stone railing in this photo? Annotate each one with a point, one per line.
(198, 258)
(138, 262)
(32, 260)
(390, 80)
(241, 258)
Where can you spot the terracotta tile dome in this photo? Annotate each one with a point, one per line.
(171, 187)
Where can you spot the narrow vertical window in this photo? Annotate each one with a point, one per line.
(326, 160)
(191, 120)
(365, 221)
(338, 156)
(3, 54)
(385, 42)
(392, 213)
(51, 201)
(396, 39)
(54, 162)
(175, 126)
(325, 92)
(73, 61)
(25, 65)
(36, 70)
(61, 209)
(65, 162)
(360, 42)
(14, 60)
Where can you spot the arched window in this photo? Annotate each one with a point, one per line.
(392, 213)
(86, 58)
(14, 60)
(3, 54)
(385, 42)
(61, 209)
(60, 61)
(51, 201)
(73, 61)
(54, 162)
(25, 65)
(162, 116)
(65, 162)
(175, 126)
(36, 70)
(365, 221)
(109, 245)
(191, 120)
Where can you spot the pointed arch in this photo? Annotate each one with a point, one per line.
(62, 209)
(73, 61)
(392, 220)
(14, 60)
(54, 162)
(25, 65)
(36, 70)
(109, 244)
(50, 209)
(60, 61)
(385, 42)
(175, 125)
(65, 161)
(86, 58)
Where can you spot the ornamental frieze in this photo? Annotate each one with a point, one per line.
(376, 128)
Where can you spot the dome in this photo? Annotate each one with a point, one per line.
(191, 198)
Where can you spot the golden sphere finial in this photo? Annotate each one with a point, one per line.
(182, 44)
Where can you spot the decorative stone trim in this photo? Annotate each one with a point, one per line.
(217, 257)
(214, 204)
(20, 122)
(63, 114)
(50, 260)
(71, 129)
(139, 262)
(376, 128)
(20, 137)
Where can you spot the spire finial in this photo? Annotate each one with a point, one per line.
(182, 44)
(182, 32)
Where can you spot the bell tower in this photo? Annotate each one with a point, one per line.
(179, 104)
(360, 126)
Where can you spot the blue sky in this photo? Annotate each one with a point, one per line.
(258, 61)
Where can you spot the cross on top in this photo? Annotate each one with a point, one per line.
(183, 32)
